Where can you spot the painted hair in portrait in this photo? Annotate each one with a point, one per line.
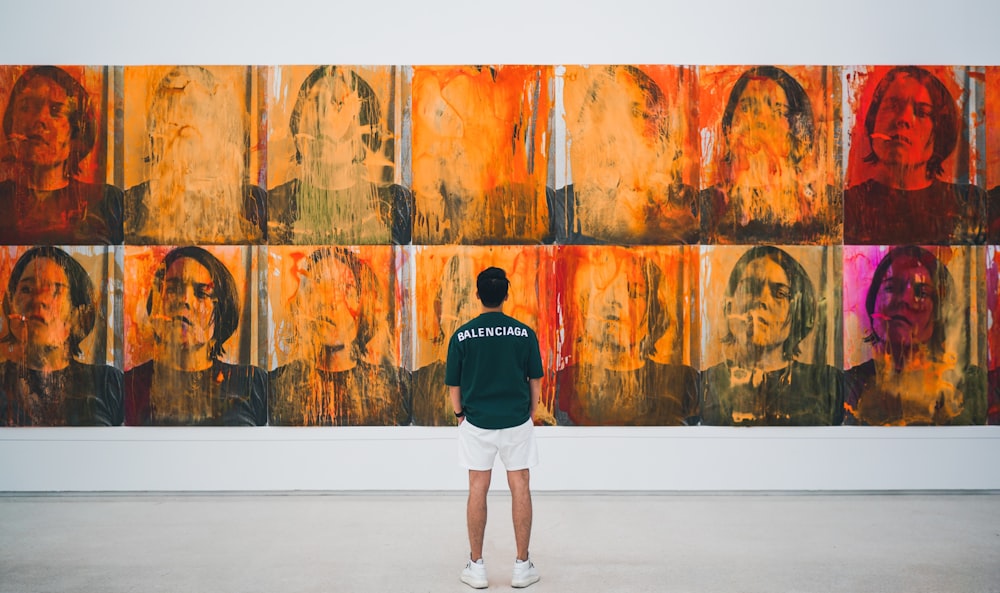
(771, 345)
(914, 343)
(912, 159)
(334, 337)
(334, 156)
(770, 154)
(55, 160)
(189, 169)
(480, 154)
(445, 298)
(57, 341)
(625, 335)
(192, 328)
(631, 142)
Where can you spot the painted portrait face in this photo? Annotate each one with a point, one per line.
(330, 126)
(41, 123)
(904, 307)
(186, 318)
(332, 303)
(41, 301)
(760, 121)
(759, 310)
(904, 124)
(614, 302)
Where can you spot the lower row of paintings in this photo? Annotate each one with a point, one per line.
(666, 335)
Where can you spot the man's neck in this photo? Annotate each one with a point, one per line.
(498, 309)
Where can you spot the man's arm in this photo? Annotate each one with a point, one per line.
(455, 392)
(535, 385)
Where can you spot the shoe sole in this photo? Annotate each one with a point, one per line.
(523, 584)
(474, 583)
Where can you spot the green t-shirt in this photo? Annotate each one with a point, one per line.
(491, 358)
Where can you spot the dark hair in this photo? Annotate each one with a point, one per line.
(942, 292)
(799, 113)
(802, 308)
(365, 281)
(370, 114)
(492, 285)
(81, 292)
(944, 115)
(82, 123)
(655, 107)
(226, 314)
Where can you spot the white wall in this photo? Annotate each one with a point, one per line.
(509, 31)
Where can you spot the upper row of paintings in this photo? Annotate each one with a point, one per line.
(610, 154)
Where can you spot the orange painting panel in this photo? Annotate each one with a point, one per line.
(633, 151)
(480, 151)
(187, 169)
(775, 175)
(445, 278)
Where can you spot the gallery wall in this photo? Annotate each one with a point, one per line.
(588, 457)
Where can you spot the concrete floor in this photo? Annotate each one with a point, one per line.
(356, 543)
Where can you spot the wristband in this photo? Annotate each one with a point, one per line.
(460, 414)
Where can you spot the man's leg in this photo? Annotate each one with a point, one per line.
(520, 492)
(479, 485)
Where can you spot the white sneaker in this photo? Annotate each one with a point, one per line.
(474, 574)
(525, 574)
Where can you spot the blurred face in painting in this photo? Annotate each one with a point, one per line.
(329, 133)
(41, 301)
(41, 123)
(759, 312)
(194, 129)
(760, 122)
(332, 303)
(613, 305)
(904, 307)
(904, 124)
(187, 301)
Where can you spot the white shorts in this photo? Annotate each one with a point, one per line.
(478, 447)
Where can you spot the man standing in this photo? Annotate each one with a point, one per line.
(494, 373)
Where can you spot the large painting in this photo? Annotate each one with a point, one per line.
(770, 167)
(445, 298)
(191, 326)
(480, 147)
(54, 162)
(911, 162)
(188, 169)
(625, 335)
(771, 343)
(913, 341)
(333, 144)
(633, 155)
(334, 337)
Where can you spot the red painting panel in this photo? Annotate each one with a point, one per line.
(54, 162)
(625, 335)
(914, 164)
